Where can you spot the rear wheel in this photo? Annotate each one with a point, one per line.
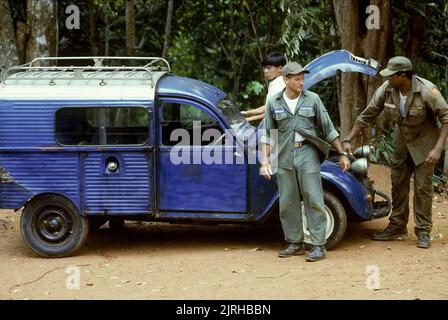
(336, 221)
(53, 227)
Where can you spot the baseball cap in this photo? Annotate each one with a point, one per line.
(293, 68)
(396, 64)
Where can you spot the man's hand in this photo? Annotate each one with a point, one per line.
(433, 157)
(345, 162)
(347, 146)
(254, 114)
(255, 118)
(266, 171)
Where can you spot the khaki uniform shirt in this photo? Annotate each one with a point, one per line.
(419, 130)
(310, 119)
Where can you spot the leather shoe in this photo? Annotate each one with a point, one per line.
(317, 253)
(391, 233)
(292, 249)
(424, 241)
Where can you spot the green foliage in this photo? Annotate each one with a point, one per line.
(432, 61)
(305, 21)
(383, 147)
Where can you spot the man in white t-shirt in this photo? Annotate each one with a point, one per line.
(272, 68)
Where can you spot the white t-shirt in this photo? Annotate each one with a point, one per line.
(275, 86)
(292, 104)
(403, 104)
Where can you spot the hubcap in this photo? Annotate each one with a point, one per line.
(328, 230)
(53, 225)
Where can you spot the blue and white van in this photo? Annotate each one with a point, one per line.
(86, 144)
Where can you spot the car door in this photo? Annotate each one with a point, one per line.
(194, 174)
(115, 156)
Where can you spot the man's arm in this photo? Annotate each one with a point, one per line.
(265, 142)
(254, 112)
(324, 122)
(440, 109)
(366, 117)
(256, 117)
(331, 135)
(343, 156)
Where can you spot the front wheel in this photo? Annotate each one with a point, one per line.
(336, 221)
(53, 227)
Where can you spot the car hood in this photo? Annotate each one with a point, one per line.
(328, 64)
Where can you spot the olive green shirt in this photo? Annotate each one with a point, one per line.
(419, 130)
(310, 119)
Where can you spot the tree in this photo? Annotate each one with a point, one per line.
(169, 18)
(356, 90)
(8, 48)
(29, 30)
(42, 23)
(130, 27)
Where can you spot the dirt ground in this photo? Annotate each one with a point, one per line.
(163, 261)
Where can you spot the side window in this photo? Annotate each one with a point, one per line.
(189, 118)
(102, 126)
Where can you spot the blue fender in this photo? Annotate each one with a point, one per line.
(351, 188)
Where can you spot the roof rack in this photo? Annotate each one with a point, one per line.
(39, 69)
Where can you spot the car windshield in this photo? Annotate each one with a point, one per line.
(231, 112)
(242, 129)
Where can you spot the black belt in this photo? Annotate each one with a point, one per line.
(300, 144)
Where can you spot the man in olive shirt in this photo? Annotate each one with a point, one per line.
(299, 115)
(418, 141)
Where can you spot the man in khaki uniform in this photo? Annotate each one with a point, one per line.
(299, 115)
(418, 141)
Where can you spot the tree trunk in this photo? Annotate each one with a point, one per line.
(92, 20)
(415, 34)
(106, 31)
(356, 90)
(169, 18)
(8, 49)
(41, 21)
(130, 27)
(378, 45)
(351, 89)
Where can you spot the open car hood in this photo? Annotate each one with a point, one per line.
(328, 64)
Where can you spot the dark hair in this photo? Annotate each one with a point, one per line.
(408, 74)
(275, 59)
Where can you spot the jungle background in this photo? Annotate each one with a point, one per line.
(224, 41)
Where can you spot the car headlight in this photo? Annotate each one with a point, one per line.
(362, 152)
(360, 167)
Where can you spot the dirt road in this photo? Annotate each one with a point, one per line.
(162, 261)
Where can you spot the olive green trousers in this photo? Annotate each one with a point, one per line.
(303, 183)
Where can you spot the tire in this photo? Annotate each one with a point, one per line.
(96, 222)
(52, 226)
(336, 221)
